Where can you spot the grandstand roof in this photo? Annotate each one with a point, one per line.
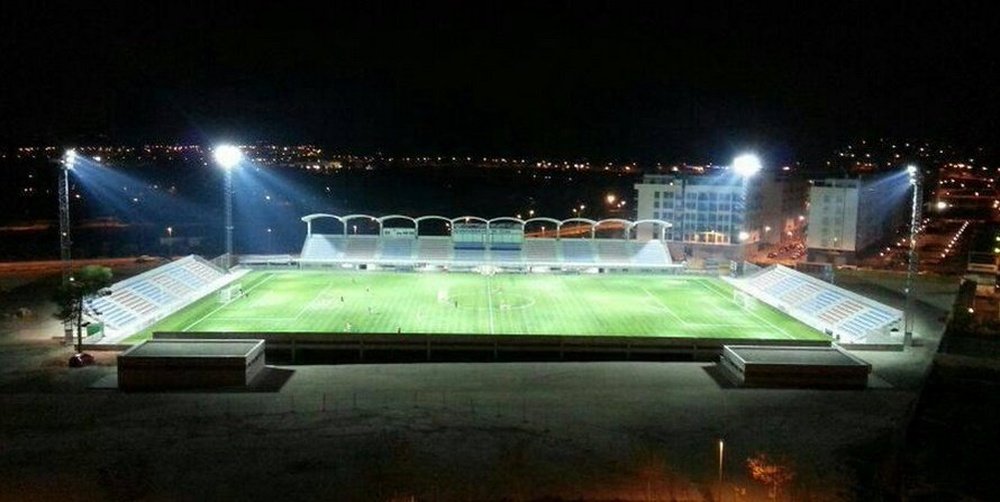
(629, 224)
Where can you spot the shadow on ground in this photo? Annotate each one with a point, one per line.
(271, 379)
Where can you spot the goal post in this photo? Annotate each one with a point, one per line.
(743, 299)
(230, 293)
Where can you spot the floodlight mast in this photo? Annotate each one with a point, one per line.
(65, 241)
(916, 179)
(746, 165)
(228, 157)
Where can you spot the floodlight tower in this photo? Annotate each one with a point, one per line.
(65, 242)
(917, 181)
(228, 157)
(746, 166)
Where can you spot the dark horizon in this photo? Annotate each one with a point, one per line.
(560, 80)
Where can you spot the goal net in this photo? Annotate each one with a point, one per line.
(487, 270)
(743, 299)
(230, 293)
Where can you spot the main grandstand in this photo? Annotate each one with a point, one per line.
(476, 241)
(487, 278)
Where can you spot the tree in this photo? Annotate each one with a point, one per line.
(72, 297)
(775, 474)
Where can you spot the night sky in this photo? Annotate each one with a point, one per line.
(601, 79)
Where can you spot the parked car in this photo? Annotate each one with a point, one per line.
(80, 360)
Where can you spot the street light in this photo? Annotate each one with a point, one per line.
(170, 242)
(911, 269)
(722, 447)
(228, 157)
(746, 166)
(269, 247)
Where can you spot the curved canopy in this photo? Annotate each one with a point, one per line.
(629, 224)
(388, 217)
(659, 222)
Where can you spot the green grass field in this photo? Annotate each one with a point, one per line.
(517, 304)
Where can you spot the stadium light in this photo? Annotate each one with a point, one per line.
(913, 259)
(228, 157)
(65, 241)
(747, 165)
(69, 158)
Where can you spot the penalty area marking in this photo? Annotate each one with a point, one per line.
(662, 307)
(769, 323)
(224, 305)
(665, 307)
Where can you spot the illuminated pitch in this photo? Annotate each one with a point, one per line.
(504, 303)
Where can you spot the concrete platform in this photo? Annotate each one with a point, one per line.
(822, 367)
(190, 364)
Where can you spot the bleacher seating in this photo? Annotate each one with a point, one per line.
(323, 249)
(266, 259)
(397, 248)
(540, 250)
(578, 251)
(614, 251)
(360, 248)
(320, 247)
(434, 248)
(506, 255)
(649, 253)
(808, 298)
(474, 255)
(145, 296)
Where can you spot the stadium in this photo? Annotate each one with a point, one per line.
(489, 287)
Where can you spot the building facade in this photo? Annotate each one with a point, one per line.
(707, 213)
(848, 216)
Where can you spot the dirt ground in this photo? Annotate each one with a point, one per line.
(461, 431)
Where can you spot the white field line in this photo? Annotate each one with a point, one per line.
(489, 300)
(224, 305)
(665, 308)
(769, 323)
(309, 305)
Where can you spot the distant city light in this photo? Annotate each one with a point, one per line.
(941, 205)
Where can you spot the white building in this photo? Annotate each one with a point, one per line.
(848, 216)
(706, 212)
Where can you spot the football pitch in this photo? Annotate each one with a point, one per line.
(469, 303)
